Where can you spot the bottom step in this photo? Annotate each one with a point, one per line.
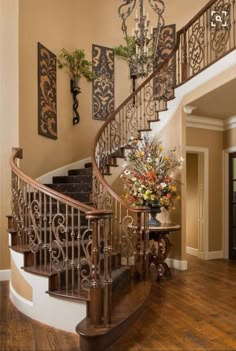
(127, 303)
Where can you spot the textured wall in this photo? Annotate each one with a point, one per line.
(8, 112)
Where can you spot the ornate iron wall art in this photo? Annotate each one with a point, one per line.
(164, 82)
(103, 84)
(47, 99)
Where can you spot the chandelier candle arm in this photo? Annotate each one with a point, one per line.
(145, 40)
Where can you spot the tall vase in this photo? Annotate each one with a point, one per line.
(153, 221)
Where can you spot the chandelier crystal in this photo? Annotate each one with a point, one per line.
(144, 36)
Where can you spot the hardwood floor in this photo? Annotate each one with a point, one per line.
(20, 333)
(192, 310)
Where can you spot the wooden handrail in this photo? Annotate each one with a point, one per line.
(18, 153)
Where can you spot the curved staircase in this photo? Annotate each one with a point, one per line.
(82, 235)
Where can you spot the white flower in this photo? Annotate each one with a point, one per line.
(126, 172)
(149, 159)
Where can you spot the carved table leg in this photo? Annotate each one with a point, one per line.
(158, 255)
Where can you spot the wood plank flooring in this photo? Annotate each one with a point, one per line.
(192, 310)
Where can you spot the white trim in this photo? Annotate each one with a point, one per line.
(188, 109)
(225, 198)
(205, 123)
(230, 123)
(214, 255)
(5, 274)
(47, 178)
(203, 235)
(211, 255)
(192, 251)
(177, 264)
(211, 123)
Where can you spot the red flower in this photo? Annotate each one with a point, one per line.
(151, 176)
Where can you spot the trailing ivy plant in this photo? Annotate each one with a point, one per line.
(75, 64)
(126, 51)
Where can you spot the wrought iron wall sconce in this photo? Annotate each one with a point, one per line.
(75, 90)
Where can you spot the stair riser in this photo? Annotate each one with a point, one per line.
(83, 171)
(75, 187)
(73, 179)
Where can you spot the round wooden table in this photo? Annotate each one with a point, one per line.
(160, 249)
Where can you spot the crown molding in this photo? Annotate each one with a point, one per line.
(230, 123)
(188, 109)
(211, 123)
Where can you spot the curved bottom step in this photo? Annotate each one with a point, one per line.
(128, 304)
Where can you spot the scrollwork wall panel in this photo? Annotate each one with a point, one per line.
(103, 84)
(47, 99)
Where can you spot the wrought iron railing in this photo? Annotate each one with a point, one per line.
(205, 39)
(201, 42)
(63, 235)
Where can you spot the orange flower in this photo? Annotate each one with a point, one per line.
(151, 176)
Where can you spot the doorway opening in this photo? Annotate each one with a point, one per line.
(197, 201)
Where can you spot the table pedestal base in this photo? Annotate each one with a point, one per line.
(158, 254)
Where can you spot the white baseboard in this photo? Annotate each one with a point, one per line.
(210, 255)
(214, 255)
(192, 251)
(5, 274)
(177, 264)
(47, 178)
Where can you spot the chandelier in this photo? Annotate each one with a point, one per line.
(144, 36)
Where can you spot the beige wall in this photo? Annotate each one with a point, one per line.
(19, 284)
(213, 140)
(8, 112)
(229, 138)
(56, 25)
(79, 25)
(192, 200)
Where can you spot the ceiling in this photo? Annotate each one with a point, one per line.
(220, 103)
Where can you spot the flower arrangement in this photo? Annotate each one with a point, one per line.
(148, 174)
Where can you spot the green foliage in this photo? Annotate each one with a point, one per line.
(126, 51)
(75, 64)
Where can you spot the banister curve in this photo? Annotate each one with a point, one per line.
(18, 153)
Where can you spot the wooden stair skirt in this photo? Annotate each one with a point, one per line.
(128, 303)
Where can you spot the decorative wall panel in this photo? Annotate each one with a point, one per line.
(163, 84)
(103, 84)
(47, 99)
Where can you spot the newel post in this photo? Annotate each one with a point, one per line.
(100, 290)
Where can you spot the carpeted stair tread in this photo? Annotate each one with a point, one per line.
(80, 178)
(80, 171)
(71, 187)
